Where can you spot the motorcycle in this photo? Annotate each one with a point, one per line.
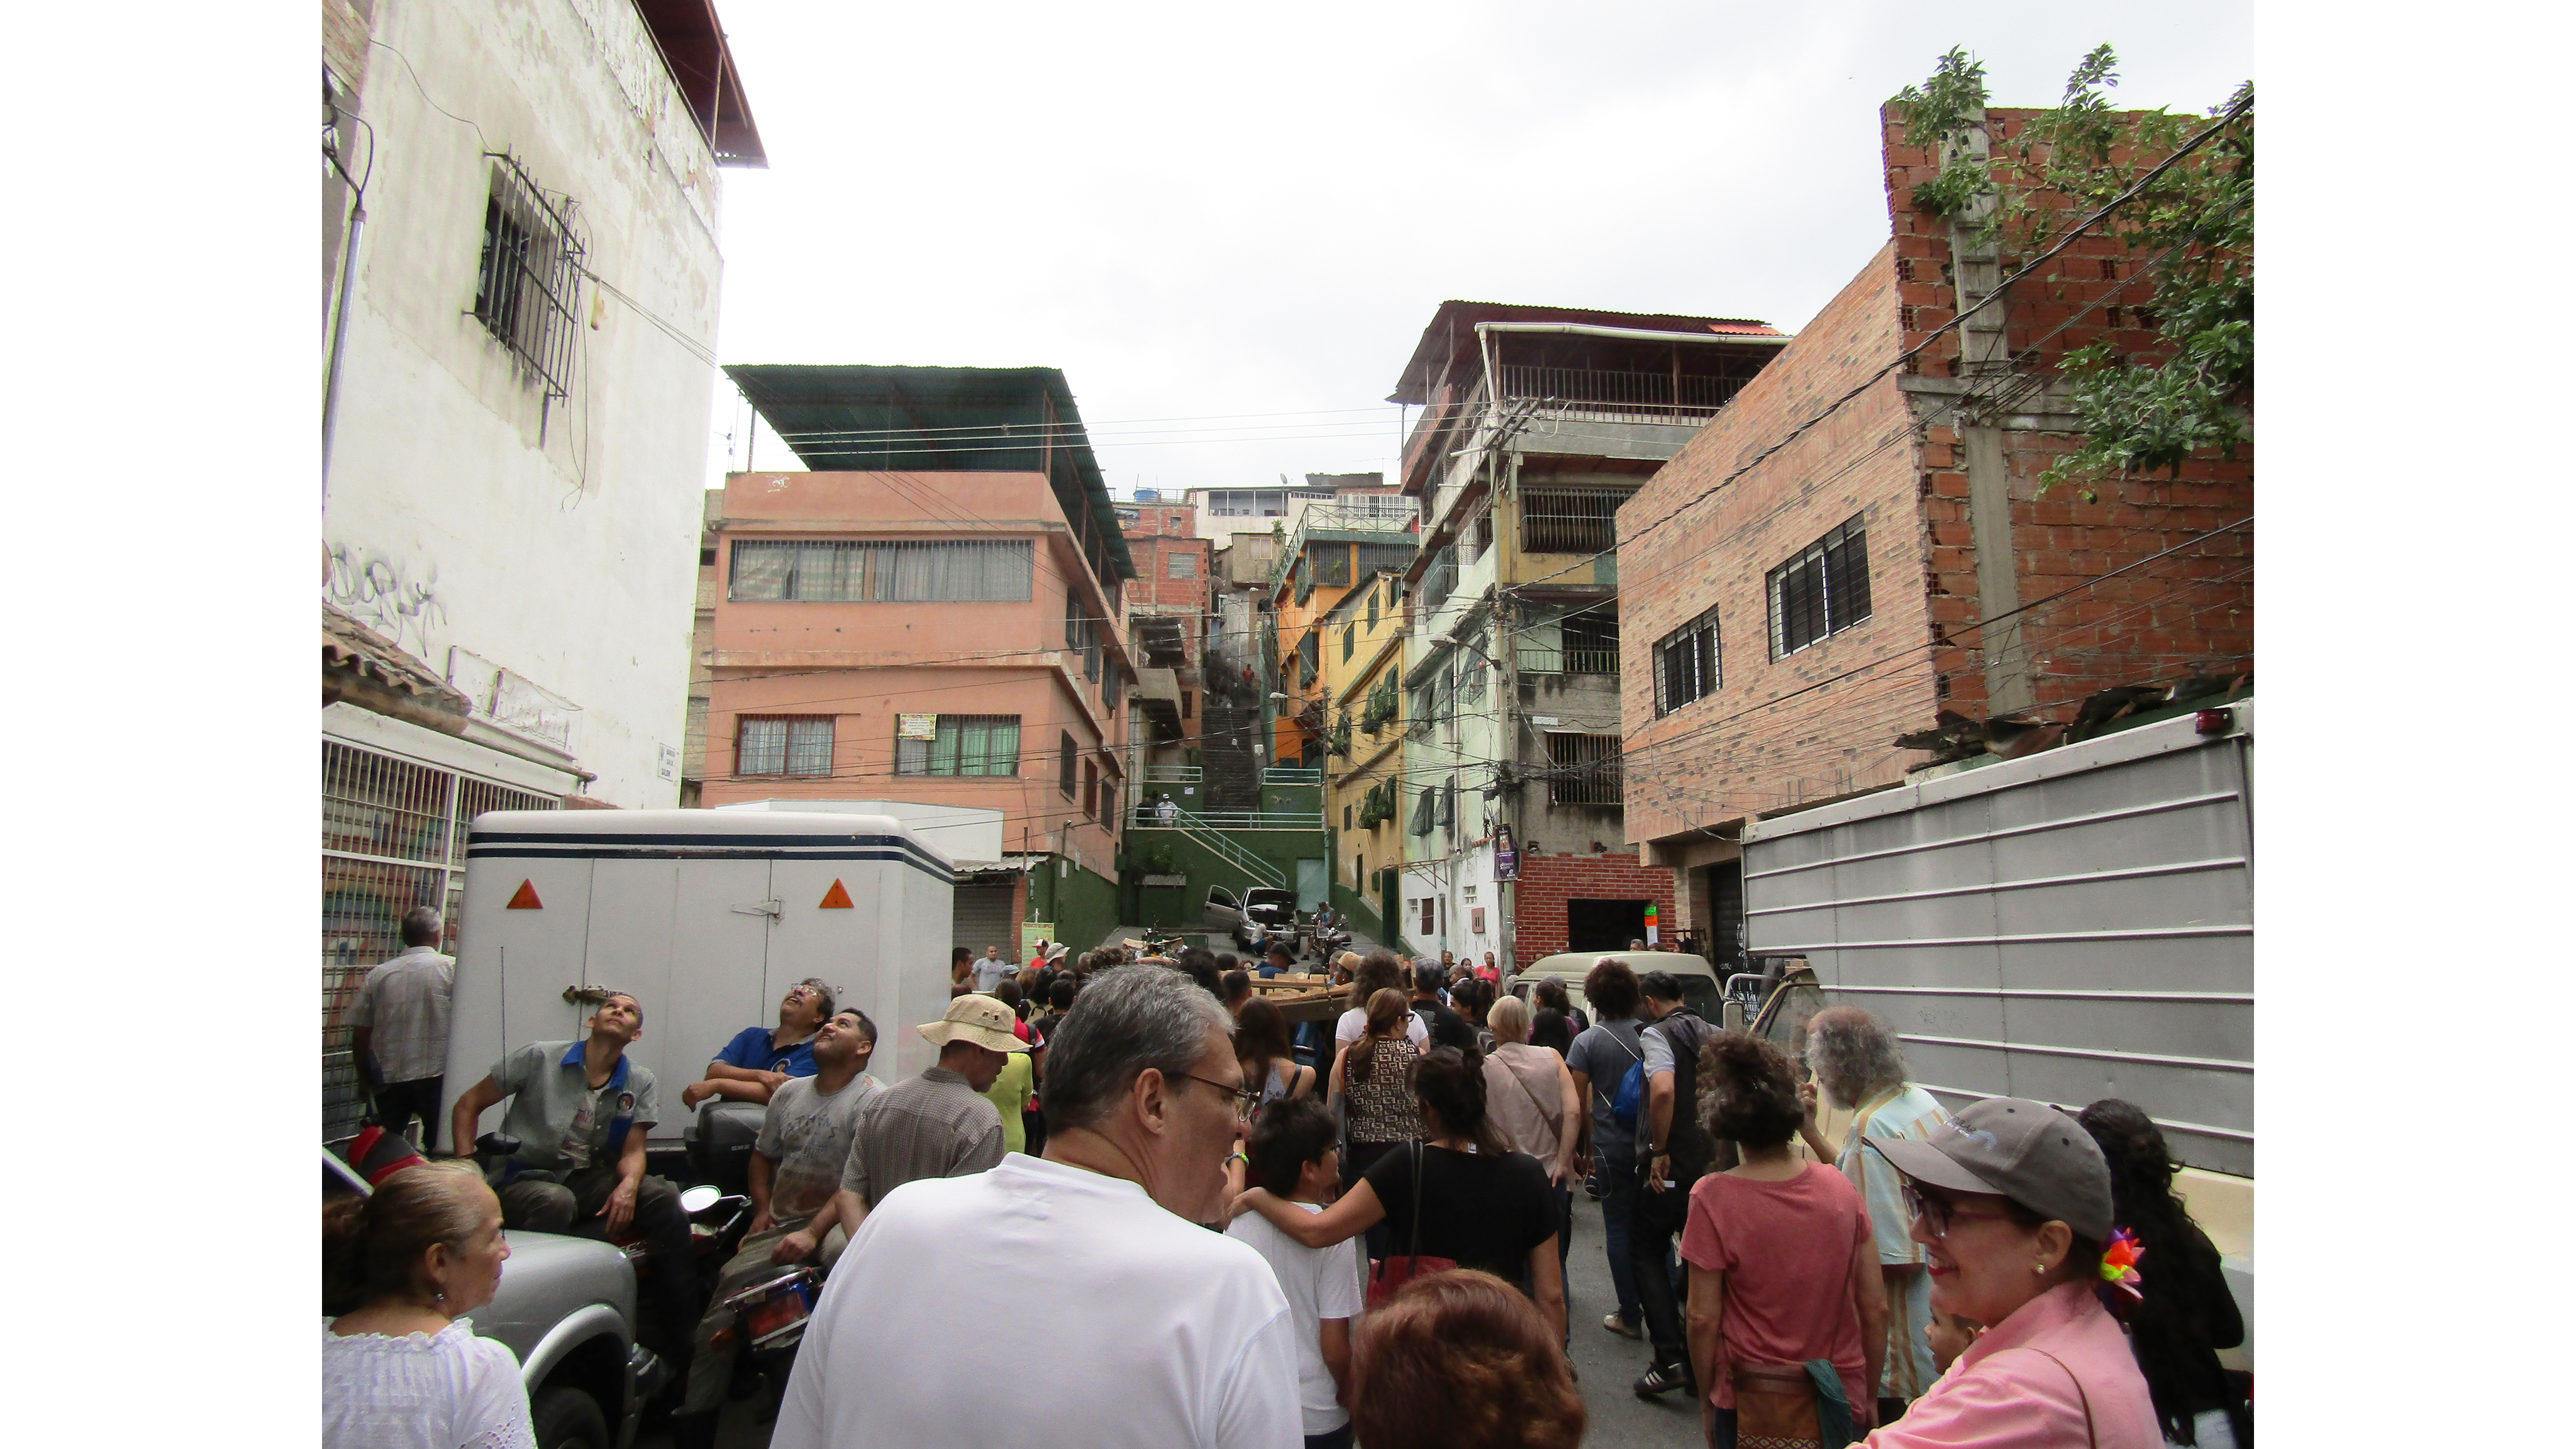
(1331, 941)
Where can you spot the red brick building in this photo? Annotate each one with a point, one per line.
(1167, 624)
(1830, 580)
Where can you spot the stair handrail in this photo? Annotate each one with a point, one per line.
(1190, 825)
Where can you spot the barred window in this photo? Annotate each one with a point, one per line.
(1686, 664)
(1587, 769)
(1064, 764)
(848, 571)
(1332, 564)
(791, 746)
(1378, 558)
(528, 282)
(1821, 592)
(963, 744)
(1570, 520)
(1471, 669)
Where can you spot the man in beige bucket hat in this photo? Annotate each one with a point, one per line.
(939, 1124)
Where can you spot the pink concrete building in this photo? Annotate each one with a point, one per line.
(939, 635)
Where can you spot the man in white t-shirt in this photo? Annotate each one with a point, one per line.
(1159, 1331)
(990, 971)
(1292, 1154)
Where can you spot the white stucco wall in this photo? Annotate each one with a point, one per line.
(570, 559)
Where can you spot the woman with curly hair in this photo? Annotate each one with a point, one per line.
(2186, 1313)
(1461, 1361)
(1783, 1267)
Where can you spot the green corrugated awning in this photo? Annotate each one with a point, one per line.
(866, 419)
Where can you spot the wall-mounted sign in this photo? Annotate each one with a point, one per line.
(916, 726)
(1507, 858)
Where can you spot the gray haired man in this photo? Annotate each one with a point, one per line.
(1860, 1068)
(1162, 1331)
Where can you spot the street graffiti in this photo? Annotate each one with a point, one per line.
(379, 592)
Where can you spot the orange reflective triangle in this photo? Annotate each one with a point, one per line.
(835, 899)
(526, 899)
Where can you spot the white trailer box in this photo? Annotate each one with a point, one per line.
(706, 918)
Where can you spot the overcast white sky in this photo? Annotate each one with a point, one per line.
(1242, 220)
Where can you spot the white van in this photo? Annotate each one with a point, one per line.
(706, 917)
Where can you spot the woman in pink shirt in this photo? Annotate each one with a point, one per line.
(1783, 1266)
(2012, 1203)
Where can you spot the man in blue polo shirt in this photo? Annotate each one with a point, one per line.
(581, 1112)
(760, 1059)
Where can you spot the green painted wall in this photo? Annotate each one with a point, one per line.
(1083, 904)
(1180, 906)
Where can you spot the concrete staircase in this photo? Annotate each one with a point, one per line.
(1229, 740)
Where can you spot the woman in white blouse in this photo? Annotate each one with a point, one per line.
(401, 1367)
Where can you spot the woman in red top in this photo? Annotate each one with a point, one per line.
(1784, 1268)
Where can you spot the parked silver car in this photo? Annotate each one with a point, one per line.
(566, 1307)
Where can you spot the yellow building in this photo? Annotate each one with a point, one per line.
(1359, 658)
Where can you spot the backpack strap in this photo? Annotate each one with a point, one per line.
(2081, 1397)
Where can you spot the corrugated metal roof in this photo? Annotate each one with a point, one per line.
(874, 419)
(1454, 326)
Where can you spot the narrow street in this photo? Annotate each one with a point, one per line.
(1605, 1363)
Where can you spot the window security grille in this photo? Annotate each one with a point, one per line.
(1472, 671)
(1378, 558)
(1332, 564)
(1587, 769)
(964, 744)
(1592, 641)
(1570, 520)
(848, 572)
(1686, 664)
(529, 279)
(1821, 592)
(1480, 535)
(1064, 765)
(793, 746)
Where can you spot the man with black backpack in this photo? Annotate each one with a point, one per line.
(1673, 1150)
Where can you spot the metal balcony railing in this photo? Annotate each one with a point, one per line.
(1291, 775)
(1174, 774)
(1577, 392)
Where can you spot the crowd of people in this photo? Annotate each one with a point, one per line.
(1121, 1156)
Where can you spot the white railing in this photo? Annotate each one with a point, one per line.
(1205, 832)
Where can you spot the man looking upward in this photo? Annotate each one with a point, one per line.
(760, 1059)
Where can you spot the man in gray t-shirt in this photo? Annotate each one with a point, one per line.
(795, 1173)
(1600, 1059)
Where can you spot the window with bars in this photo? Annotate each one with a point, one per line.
(1332, 564)
(1480, 535)
(963, 744)
(1570, 520)
(528, 282)
(1471, 670)
(1587, 769)
(1181, 566)
(1821, 592)
(1591, 640)
(847, 571)
(1064, 764)
(1377, 558)
(792, 745)
(1420, 724)
(1686, 664)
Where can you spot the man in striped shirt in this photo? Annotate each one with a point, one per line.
(938, 1124)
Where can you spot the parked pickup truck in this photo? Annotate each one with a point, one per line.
(566, 1307)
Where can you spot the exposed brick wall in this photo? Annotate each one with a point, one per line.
(2152, 624)
(1547, 882)
(1687, 768)
(1821, 722)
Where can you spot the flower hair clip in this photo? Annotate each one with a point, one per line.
(2120, 1262)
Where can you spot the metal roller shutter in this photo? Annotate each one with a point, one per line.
(982, 914)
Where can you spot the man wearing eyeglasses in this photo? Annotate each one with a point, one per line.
(939, 1124)
(1158, 1331)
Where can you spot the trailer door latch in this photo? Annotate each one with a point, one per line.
(772, 909)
